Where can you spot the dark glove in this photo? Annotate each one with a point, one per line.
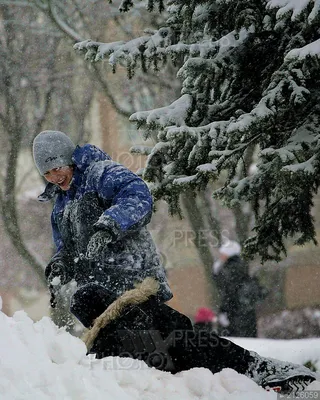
(97, 243)
(53, 301)
(56, 269)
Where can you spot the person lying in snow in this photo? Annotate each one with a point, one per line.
(101, 210)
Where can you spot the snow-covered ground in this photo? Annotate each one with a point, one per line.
(38, 361)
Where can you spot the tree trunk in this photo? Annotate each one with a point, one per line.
(196, 216)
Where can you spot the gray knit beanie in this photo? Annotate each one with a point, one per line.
(52, 149)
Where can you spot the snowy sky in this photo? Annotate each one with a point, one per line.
(38, 361)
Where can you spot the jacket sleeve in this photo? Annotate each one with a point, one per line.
(56, 234)
(60, 255)
(129, 196)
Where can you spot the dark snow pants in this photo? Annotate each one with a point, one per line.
(160, 336)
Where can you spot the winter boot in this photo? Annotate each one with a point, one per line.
(280, 376)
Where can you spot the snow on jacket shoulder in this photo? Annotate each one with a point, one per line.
(129, 197)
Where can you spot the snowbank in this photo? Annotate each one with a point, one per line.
(38, 361)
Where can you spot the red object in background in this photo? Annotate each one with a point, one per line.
(205, 314)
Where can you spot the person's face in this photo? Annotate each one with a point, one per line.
(60, 176)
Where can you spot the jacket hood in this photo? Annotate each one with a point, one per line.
(82, 157)
(85, 155)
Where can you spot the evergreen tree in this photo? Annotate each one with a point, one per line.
(250, 72)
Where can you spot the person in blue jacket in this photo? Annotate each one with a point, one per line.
(101, 210)
(100, 215)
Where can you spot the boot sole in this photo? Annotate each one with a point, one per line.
(294, 384)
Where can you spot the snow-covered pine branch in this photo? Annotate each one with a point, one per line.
(142, 52)
(174, 114)
(250, 81)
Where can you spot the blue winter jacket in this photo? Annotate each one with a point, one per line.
(105, 195)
